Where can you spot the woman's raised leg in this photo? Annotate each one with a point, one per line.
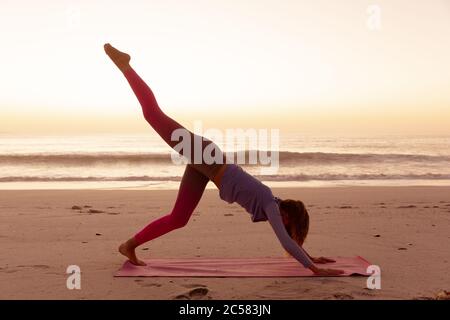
(163, 124)
(191, 190)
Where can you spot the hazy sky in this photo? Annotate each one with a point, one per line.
(314, 66)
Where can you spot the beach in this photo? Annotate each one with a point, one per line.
(404, 230)
(337, 104)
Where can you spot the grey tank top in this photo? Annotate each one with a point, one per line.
(240, 187)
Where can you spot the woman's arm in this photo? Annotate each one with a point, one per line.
(274, 216)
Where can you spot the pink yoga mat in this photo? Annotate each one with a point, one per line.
(237, 267)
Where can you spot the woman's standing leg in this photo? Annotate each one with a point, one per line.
(196, 176)
(191, 190)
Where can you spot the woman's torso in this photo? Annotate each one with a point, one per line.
(236, 185)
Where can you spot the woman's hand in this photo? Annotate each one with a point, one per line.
(322, 260)
(326, 272)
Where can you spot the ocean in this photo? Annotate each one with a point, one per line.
(144, 161)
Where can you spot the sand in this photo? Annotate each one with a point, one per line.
(404, 230)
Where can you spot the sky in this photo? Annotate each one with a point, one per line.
(350, 66)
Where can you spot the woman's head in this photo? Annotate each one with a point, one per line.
(296, 219)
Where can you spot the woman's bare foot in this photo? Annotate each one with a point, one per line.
(127, 249)
(121, 59)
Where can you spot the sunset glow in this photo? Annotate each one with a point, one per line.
(313, 66)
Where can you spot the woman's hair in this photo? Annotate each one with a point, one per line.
(297, 219)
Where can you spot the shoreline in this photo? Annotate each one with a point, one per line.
(173, 185)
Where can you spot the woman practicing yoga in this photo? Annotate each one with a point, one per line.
(288, 218)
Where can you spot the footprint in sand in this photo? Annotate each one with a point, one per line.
(157, 285)
(147, 285)
(343, 296)
(11, 271)
(423, 298)
(95, 211)
(197, 293)
(407, 207)
(228, 214)
(441, 295)
(193, 285)
(365, 293)
(35, 266)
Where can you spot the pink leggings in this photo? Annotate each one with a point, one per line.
(195, 177)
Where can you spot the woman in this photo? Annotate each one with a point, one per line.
(288, 218)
